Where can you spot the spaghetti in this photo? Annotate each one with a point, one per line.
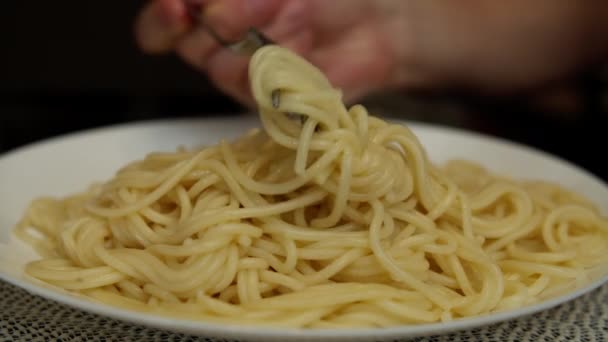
(338, 221)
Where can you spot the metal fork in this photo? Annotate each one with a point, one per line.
(253, 40)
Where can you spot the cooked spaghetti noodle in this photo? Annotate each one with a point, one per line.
(336, 221)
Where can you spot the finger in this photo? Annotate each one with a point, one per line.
(229, 73)
(196, 48)
(301, 43)
(160, 24)
(336, 16)
(292, 28)
(287, 20)
(290, 20)
(230, 18)
(359, 62)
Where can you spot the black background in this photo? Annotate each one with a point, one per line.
(69, 65)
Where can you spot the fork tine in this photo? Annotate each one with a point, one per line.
(276, 98)
(260, 37)
(252, 41)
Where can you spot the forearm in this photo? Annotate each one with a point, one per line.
(510, 44)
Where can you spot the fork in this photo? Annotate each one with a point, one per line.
(253, 40)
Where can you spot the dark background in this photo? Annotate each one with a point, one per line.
(68, 65)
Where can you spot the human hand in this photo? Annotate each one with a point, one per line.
(364, 45)
(349, 40)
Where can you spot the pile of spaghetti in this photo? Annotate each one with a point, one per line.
(338, 220)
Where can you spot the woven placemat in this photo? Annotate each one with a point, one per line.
(25, 317)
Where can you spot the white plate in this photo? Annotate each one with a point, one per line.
(68, 164)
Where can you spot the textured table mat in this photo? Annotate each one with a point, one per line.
(24, 317)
